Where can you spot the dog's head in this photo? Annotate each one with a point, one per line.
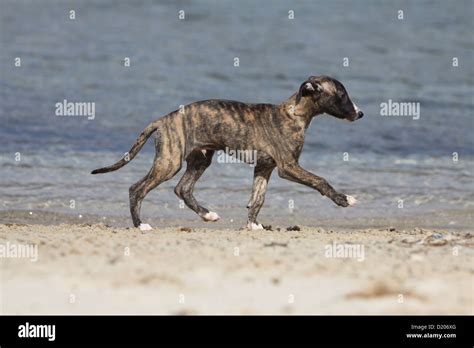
(323, 94)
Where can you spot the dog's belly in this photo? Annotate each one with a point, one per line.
(252, 157)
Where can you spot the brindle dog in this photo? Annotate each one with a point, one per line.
(275, 132)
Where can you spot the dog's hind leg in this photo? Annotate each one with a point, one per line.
(260, 183)
(166, 164)
(197, 163)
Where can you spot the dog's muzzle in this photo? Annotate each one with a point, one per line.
(358, 112)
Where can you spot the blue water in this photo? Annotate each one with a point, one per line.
(176, 62)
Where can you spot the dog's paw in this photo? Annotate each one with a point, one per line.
(211, 216)
(344, 200)
(341, 200)
(351, 200)
(252, 226)
(145, 227)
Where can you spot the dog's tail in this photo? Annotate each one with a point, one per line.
(141, 140)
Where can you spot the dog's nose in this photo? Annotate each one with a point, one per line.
(360, 114)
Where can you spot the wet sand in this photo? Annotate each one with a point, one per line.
(97, 268)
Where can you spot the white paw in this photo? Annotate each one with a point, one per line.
(351, 200)
(211, 216)
(253, 226)
(145, 227)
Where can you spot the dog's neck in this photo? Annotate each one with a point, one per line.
(304, 111)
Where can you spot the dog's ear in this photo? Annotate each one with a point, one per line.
(307, 88)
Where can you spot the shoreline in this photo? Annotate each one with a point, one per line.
(445, 220)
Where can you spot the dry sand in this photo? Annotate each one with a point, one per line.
(92, 269)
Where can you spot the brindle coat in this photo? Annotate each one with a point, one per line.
(276, 132)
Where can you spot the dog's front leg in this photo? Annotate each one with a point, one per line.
(297, 174)
(260, 183)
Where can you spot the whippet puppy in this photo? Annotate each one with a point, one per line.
(276, 132)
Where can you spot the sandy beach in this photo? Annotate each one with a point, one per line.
(97, 268)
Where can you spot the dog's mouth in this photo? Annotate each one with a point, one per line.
(356, 116)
